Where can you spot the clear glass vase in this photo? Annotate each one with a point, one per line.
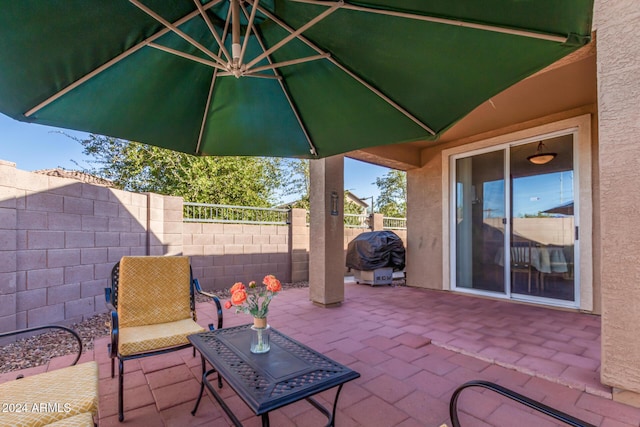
(260, 339)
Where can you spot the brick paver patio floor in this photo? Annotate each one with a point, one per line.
(412, 347)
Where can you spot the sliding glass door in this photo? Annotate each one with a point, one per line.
(516, 237)
(542, 219)
(480, 209)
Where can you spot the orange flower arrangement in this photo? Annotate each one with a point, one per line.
(248, 300)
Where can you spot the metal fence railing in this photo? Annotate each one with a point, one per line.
(356, 220)
(204, 212)
(363, 221)
(389, 223)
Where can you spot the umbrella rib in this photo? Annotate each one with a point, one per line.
(378, 92)
(312, 147)
(294, 34)
(213, 82)
(454, 22)
(248, 32)
(353, 75)
(262, 76)
(187, 56)
(177, 31)
(112, 62)
(215, 34)
(271, 66)
(206, 111)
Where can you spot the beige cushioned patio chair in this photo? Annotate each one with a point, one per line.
(152, 309)
(62, 397)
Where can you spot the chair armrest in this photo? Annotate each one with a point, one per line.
(215, 299)
(115, 329)
(39, 328)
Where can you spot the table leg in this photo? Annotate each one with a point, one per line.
(204, 374)
(331, 416)
(218, 398)
(335, 405)
(265, 420)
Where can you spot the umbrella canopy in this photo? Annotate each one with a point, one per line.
(290, 78)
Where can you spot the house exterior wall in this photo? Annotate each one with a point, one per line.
(424, 223)
(428, 210)
(619, 161)
(613, 171)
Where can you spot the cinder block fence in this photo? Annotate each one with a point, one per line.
(60, 238)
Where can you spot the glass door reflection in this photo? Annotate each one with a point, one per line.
(542, 222)
(480, 208)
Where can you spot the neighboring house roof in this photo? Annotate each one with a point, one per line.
(349, 197)
(77, 175)
(355, 199)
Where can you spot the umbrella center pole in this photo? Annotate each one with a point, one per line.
(235, 38)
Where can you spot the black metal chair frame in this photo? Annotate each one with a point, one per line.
(40, 328)
(533, 404)
(111, 296)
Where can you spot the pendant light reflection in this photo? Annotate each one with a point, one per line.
(541, 158)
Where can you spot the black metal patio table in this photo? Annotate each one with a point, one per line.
(289, 372)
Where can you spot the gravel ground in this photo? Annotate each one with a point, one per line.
(39, 349)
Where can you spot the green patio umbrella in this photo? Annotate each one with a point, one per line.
(290, 78)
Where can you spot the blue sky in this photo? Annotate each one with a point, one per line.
(33, 147)
(531, 194)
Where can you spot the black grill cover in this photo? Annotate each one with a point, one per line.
(376, 249)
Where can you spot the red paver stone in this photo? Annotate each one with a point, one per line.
(388, 388)
(374, 411)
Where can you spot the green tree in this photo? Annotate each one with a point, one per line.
(132, 166)
(298, 181)
(393, 194)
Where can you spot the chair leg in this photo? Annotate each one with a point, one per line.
(120, 390)
(113, 362)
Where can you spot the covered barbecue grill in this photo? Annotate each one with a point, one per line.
(374, 256)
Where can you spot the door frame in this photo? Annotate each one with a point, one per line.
(580, 126)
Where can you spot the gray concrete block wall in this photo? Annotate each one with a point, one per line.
(222, 254)
(9, 247)
(60, 238)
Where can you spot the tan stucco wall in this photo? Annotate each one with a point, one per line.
(424, 223)
(619, 128)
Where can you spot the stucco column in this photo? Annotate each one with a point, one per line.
(326, 234)
(618, 24)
